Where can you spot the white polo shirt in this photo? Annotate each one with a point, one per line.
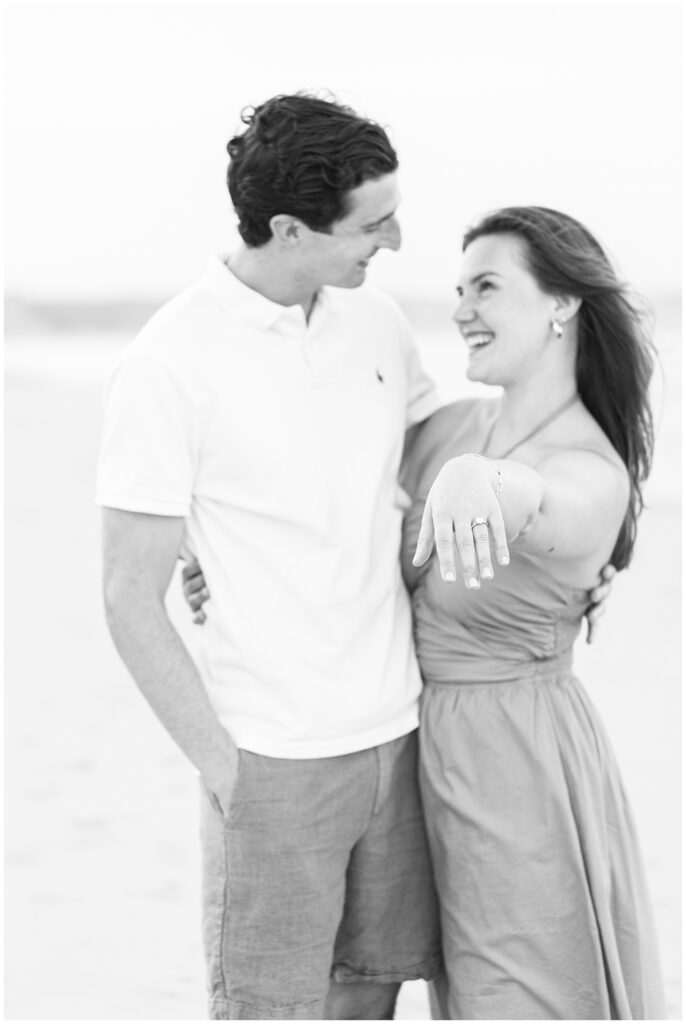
(279, 441)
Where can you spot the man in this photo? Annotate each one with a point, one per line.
(259, 418)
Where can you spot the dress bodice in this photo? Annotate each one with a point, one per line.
(515, 624)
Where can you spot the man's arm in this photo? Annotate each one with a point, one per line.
(140, 552)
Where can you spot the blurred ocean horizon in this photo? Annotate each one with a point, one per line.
(30, 314)
(91, 327)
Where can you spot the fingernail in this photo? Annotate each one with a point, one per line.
(449, 577)
(473, 583)
(504, 559)
(486, 574)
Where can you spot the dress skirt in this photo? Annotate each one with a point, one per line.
(545, 911)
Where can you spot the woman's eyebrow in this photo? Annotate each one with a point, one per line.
(485, 273)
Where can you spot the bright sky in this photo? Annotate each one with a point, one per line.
(117, 117)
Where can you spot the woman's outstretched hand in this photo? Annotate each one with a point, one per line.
(462, 512)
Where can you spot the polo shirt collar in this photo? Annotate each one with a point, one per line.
(254, 308)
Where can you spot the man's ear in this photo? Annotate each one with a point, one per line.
(286, 229)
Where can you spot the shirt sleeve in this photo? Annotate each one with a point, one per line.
(147, 455)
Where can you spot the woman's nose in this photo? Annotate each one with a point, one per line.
(464, 312)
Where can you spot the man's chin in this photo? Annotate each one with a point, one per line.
(355, 278)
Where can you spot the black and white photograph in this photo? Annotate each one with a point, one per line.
(343, 538)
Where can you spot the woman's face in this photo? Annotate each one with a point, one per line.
(503, 315)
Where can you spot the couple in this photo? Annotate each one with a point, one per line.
(260, 419)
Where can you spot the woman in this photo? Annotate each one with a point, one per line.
(544, 906)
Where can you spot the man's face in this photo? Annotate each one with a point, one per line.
(341, 258)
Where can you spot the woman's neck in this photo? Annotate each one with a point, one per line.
(527, 403)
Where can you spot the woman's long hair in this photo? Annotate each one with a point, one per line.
(615, 356)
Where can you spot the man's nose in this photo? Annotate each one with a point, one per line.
(391, 236)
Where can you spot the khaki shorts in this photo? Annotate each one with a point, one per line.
(320, 870)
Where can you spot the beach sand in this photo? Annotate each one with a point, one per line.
(102, 869)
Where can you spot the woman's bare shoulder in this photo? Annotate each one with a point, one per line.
(583, 433)
(582, 448)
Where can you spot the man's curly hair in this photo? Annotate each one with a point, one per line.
(301, 155)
